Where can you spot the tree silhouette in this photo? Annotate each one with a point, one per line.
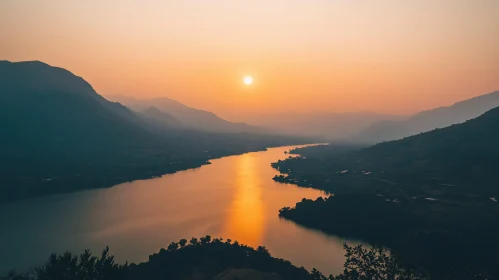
(173, 246)
(205, 240)
(210, 257)
(182, 242)
(375, 264)
(194, 241)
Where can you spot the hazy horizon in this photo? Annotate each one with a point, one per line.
(389, 57)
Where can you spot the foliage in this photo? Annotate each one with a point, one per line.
(375, 264)
(71, 267)
(210, 257)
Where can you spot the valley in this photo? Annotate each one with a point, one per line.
(426, 197)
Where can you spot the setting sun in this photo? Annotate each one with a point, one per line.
(248, 80)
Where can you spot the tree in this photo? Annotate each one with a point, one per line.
(375, 264)
(182, 242)
(194, 241)
(205, 240)
(263, 250)
(173, 246)
(74, 267)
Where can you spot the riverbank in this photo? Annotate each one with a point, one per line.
(233, 197)
(445, 230)
(103, 174)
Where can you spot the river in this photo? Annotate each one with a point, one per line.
(234, 197)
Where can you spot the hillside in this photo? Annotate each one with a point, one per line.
(428, 120)
(156, 115)
(432, 198)
(458, 156)
(193, 118)
(59, 135)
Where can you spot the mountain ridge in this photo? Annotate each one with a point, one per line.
(430, 197)
(194, 118)
(327, 125)
(427, 120)
(155, 114)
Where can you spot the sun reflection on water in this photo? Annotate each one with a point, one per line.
(246, 218)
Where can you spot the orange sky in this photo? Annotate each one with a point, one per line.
(331, 55)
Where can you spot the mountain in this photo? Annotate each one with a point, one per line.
(154, 114)
(431, 197)
(193, 118)
(57, 134)
(461, 155)
(429, 120)
(43, 103)
(329, 126)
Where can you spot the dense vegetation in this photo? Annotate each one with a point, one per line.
(431, 198)
(59, 135)
(209, 258)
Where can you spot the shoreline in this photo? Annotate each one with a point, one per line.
(163, 171)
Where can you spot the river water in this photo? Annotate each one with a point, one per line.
(234, 197)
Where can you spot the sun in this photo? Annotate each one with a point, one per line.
(248, 80)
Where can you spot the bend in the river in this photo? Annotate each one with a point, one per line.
(234, 197)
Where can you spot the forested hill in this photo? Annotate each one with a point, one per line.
(460, 154)
(431, 198)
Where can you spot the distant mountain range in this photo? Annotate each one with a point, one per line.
(358, 127)
(428, 120)
(57, 134)
(371, 128)
(327, 125)
(156, 115)
(187, 117)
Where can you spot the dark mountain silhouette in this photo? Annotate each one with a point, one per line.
(193, 118)
(59, 135)
(461, 154)
(157, 115)
(41, 104)
(329, 126)
(429, 120)
(429, 197)
(56, 131)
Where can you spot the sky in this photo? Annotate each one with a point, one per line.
(387, 56)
